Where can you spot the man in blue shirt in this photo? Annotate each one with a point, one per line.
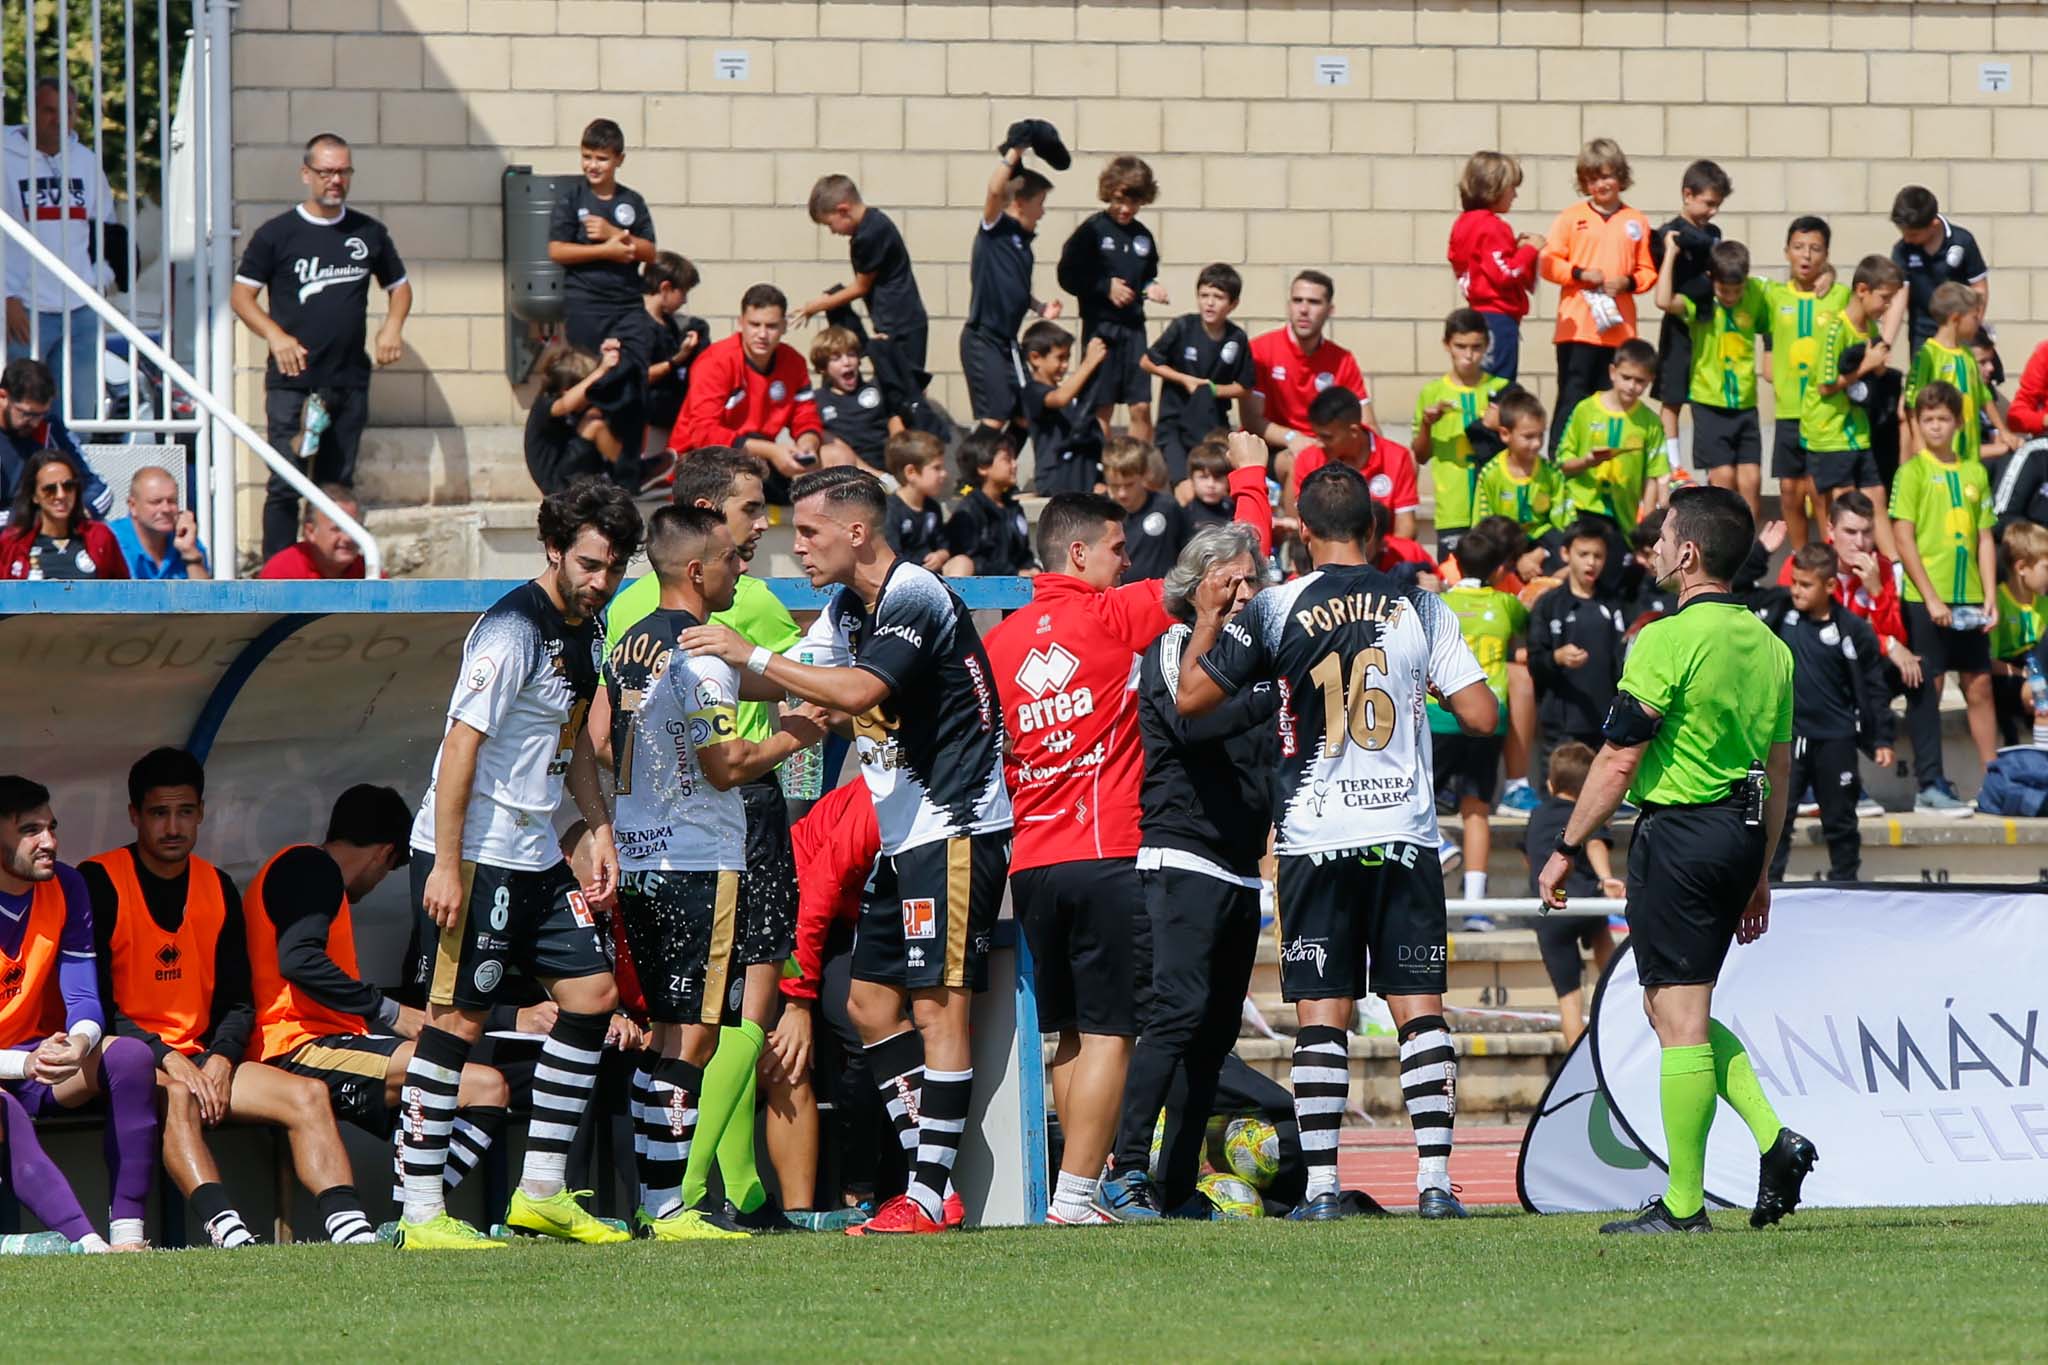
(159, 538)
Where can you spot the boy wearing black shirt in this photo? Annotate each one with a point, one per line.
(849, 404)
(1209, 482)
(881, 268)
(1560, 937)
(566, 435)
(999, 274)
(1839, 703)
(988, 533)
(1066, 440)
(914, 523)
(1700, 196)
(1111, 264)
(1575, 634)
(600, 234)
(669, 338)
(1204, 364)
(1156, 526)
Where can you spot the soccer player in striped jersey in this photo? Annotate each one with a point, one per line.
(678, 763)
(173, 966)
(1355, 654)
(486, 869)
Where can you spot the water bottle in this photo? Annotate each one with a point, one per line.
(2039, 686)
(803, 772)
(35, 1244)
(317, 421)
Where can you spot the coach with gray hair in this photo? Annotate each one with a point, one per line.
(316, 262)
(1205, 812)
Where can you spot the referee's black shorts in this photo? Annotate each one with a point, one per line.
(1691, 870)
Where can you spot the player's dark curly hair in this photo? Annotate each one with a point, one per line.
(595, 502)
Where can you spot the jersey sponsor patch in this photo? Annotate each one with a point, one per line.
(870, 397)
(920, 918)
(1047, 670)
(580, 908)
(1324, 380)
(777, 391)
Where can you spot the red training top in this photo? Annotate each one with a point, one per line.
(1494, 272)
(1389, 470)
(1401, 550)
(296, 561)
(836, 844)
(730, 399)
(1066, 669)
(1289, 380)
(2028, 413)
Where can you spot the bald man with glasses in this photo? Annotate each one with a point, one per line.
(316, 262)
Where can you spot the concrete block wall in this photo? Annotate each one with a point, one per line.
(1811, 106)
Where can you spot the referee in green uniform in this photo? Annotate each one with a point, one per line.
(1700, 737)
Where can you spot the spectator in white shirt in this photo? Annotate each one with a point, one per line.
(56, 187)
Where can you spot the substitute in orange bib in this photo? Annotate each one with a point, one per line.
(172, 964)
(53, 1055)
(1066, 669)
(315, 1015)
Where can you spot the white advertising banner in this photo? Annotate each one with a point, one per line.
(1903, 1029)
(1574, 1159)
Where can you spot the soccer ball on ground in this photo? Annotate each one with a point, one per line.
(1248, 1148)
(1232, 1197)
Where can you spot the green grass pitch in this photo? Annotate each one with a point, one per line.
(1836, 1285)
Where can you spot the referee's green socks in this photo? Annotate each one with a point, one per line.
(1736, 1081)
(1689, 1097)
(727, 1106)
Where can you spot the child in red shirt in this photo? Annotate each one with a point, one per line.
(1496, 268)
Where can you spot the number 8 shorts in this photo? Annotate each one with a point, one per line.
(511, 918)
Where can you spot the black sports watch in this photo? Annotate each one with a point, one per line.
(1570, 851)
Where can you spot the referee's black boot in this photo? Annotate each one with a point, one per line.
(1656, 1218)
(1780, 1172)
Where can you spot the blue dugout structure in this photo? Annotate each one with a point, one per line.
(292, 691)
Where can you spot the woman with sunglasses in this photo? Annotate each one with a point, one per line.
(51, 533)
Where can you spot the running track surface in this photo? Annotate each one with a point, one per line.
(1381, 1161)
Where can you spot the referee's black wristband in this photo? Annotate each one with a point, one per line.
(1570, 851)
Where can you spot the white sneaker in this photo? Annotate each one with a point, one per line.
(1094, 1217)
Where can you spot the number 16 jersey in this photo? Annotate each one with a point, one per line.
(1353, 653)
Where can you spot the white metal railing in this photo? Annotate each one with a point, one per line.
(221, 412)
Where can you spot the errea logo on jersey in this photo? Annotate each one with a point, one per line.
(1047, 670)
(1045, 674)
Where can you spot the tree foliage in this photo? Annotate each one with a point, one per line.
(66, 27)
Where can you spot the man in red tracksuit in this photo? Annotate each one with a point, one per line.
(1066, 668)
(748, 389)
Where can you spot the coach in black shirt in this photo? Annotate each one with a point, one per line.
(316, 262)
